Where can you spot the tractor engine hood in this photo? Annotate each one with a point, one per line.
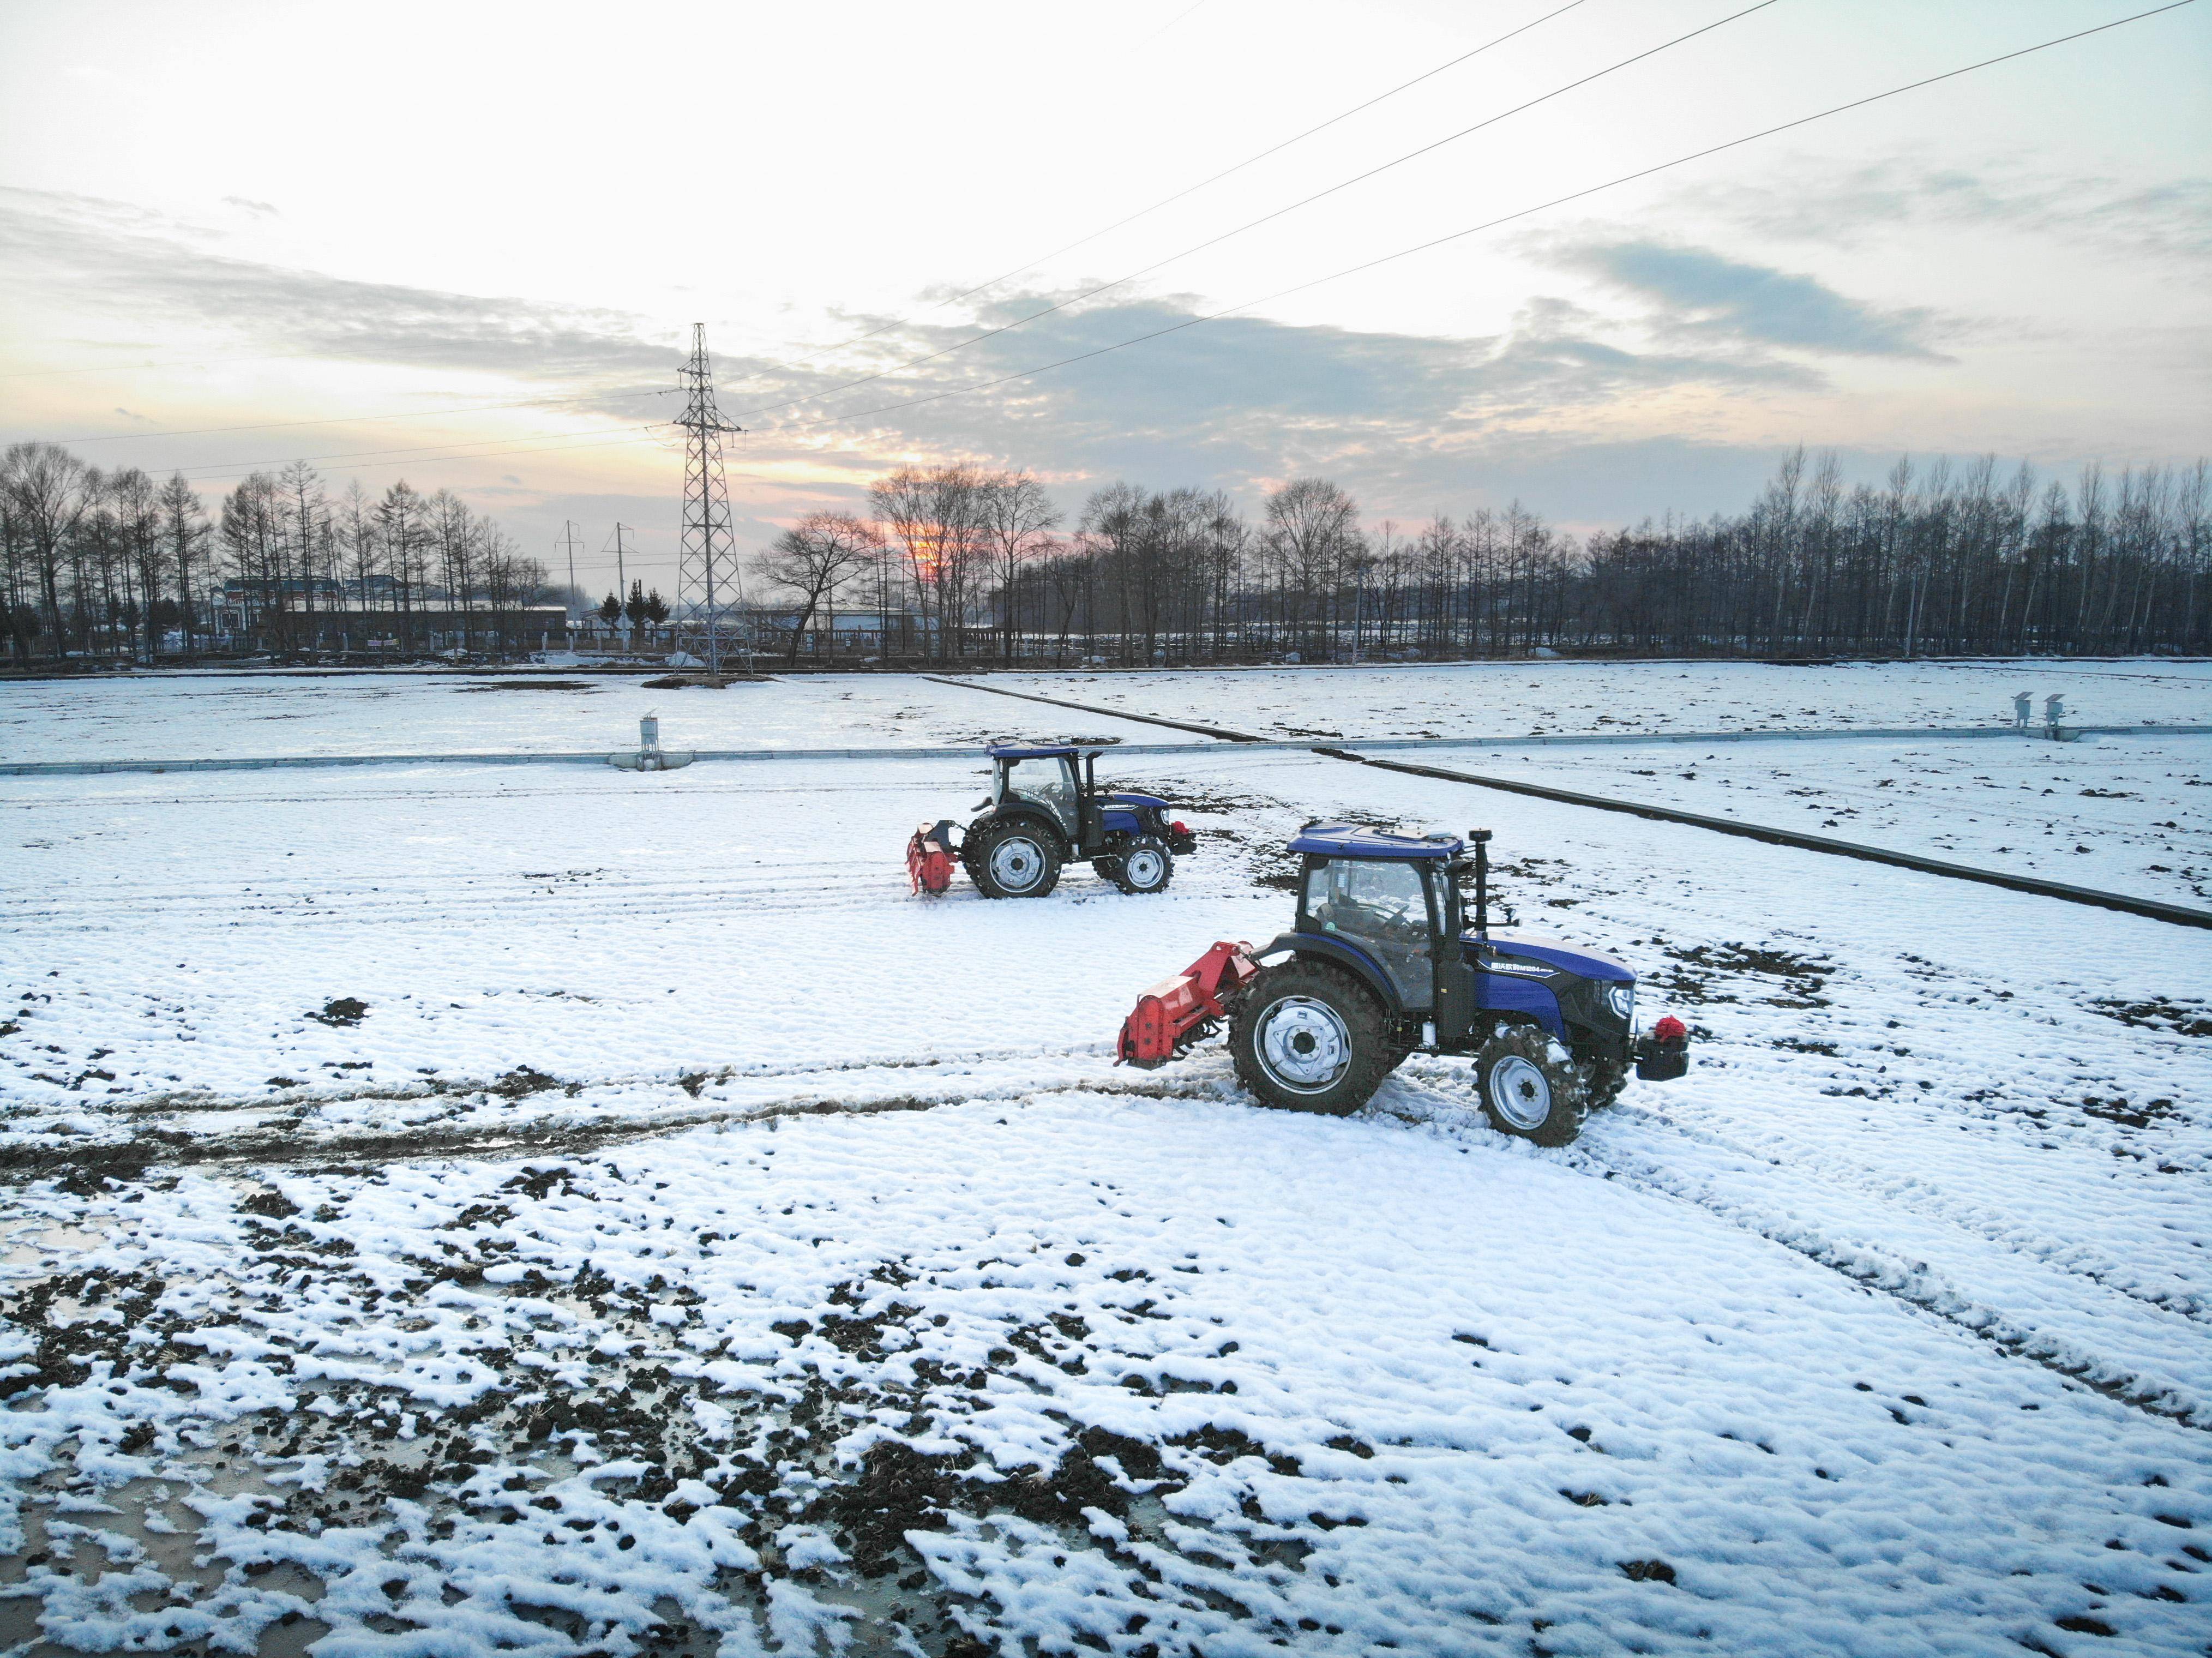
(1142, 802)
(1550, 953)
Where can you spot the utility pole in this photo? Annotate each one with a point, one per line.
(622, 589)
(568, 534)
(707, 563)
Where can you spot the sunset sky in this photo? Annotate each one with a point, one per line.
(342, 231)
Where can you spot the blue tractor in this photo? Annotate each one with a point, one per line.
(1045, 811)
(1381, 962)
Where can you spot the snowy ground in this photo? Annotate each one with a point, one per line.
(1498, 699)
(232, 715)
(2124, 814)
(691, 1242)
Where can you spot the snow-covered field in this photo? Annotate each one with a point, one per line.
(2124, 814)
(191, 716)
(583, 1211)
(1513, 699)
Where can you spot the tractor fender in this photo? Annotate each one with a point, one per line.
(1350, 956)
(1035, 817)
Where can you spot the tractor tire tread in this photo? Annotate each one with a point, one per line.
(980, 870)
(1570, 1102)
(1119, 874)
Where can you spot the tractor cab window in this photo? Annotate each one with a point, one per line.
(1382, 907)
(1049, 783)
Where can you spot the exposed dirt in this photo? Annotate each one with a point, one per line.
(505, 1459)
(2186, 1018)
(531, 685)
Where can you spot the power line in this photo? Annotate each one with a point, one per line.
(955, 298)
(1250, 161)
(426, 449)
(1189, 190)
(348, 420)
(1349, 270)
(338, 420)
(1491, 224)
(1266, 218)
(174, 362)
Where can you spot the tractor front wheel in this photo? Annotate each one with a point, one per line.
(1529, 1085)
(1017, 861)
(1143, 866)
(1308, 1037)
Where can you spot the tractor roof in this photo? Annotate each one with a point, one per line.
(1352, 841)
(1031, 751)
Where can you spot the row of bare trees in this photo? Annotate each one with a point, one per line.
(109, 564)
(958, 562)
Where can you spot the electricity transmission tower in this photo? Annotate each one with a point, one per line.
(707, 581)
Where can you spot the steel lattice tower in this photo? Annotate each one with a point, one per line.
(706, 579)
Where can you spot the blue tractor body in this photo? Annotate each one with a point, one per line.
(1046, 810)
(1384, 959)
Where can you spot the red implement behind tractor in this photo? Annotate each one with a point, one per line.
(1188, 1008)
(929, 857)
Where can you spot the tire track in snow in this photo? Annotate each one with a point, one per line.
(1917, 1284)
(1931, 1203)
(443, 1086)
(552, 1135)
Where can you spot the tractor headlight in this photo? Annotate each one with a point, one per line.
(1621, 998)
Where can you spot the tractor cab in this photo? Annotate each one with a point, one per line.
(1055, 781)
(1386, 906)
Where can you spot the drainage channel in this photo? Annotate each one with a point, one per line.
(2179, 915)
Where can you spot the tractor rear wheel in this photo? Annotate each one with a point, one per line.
(1017, 861)
(1143, 866)
(1308, 1037)
(1530, 1086)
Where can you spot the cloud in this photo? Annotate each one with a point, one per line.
(1558, 407)
(90, 248)
(1227, 401)
(1699, 293)
(245, 205)
(2168, 219)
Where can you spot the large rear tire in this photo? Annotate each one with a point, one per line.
(1308, 1037)
(1529, 1085)
(1143, 866)
(1017, 861)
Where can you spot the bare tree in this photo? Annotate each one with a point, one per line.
(138, 531)
(1313, 528)
(815, 557)
(184, 543)
(1017, 520)
(933, 514)
(402, 527)
(48, 490)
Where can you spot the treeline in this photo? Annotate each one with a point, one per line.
(958, 562)
(109, 564)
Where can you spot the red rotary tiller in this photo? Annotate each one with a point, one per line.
(1188, 1008)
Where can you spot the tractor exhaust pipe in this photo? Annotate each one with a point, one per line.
(1481, 839)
